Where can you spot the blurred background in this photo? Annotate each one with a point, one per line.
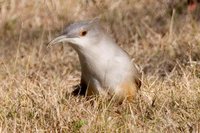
(162, 37)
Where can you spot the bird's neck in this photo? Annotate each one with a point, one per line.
(102, 59)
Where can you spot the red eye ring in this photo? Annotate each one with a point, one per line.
(83, 33)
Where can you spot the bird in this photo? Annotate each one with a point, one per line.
(106, 69)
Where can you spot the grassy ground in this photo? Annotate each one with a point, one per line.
(35, 82)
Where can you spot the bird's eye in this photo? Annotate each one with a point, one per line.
(83, 33)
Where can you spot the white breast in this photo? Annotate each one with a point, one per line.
(105, 63)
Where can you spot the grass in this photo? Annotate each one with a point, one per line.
(35, 82)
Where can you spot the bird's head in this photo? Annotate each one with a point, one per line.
(81, 34)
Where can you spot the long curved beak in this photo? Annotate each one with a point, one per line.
(58, 39)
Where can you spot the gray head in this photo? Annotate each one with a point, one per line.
(80, 33)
